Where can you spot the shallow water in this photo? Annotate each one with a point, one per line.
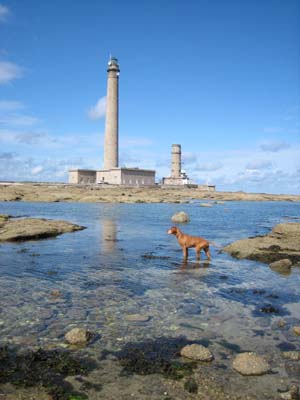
(103, 275)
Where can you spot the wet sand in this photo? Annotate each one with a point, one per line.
(112, 194)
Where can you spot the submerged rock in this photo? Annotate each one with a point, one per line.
(180, 217)
(137, 318)
(291, 394)
(292, 355)
(18, 230)
(281, 323)
(296, 330)
(250, 364)
(282, 243)
(196, 352)
(77, 336)
(282, 266)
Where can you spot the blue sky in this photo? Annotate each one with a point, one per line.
(220, 77)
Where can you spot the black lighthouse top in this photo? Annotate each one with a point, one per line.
(113, 64)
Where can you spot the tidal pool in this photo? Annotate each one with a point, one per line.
(124, 264)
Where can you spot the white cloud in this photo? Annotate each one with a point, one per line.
(210, 166)
(273, 129)
(37, 170)
(135, 141)
(4, 13)
(98, 111)
(9, 71)
(8, 106)
(17, 120)
(30, 137)
(273, 146)
(189, 158)
(259, 164)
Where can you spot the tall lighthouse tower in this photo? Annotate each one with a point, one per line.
(111, 173)
(111, 142)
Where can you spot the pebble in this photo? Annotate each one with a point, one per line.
(292, 394)
(137, 317)
(281, 323)
(296, 330)
(196, 352)
(292, 355)
(56, 293)
(250, 364)
(77, 336)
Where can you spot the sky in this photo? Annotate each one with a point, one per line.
(221, 78)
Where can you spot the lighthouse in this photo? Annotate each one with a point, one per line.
(111, 141)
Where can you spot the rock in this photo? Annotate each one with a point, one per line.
(191, 385)
(281, 323)
(196, 352)
(250, 364)
(18, 230)
(180, 217)
(296, 330)
(292, 394)
(4, 217)
(137, 318)
(292, 355)
(206, 205)
(282, 243)
(281, 266)
(78, 336)
(269, 309)
(56, 293)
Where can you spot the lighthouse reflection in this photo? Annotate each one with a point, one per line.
(109, 235)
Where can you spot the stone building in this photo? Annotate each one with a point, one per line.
(111, 172)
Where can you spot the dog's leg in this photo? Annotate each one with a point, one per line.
(198, 253)
(207, 252)
(185, 252)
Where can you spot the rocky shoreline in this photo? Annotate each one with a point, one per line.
(22, 229)
(112, 194)
(280, 248)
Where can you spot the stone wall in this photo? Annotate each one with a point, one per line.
(82, 176)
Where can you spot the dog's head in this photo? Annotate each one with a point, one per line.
(173, 230)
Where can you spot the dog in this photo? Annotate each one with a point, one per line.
(187, 241)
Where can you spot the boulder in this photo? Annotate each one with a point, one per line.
(282, 266)
(196, 352)
(282, 243)
(22, 229)
(180, 217)
(296, 330)
(206, 205)
(250, 364)
(77, 336)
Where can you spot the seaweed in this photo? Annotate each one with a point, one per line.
(158, 356)
(43, 368)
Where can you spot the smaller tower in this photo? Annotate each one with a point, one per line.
(176, 161)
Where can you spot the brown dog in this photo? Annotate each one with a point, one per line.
(187, 241)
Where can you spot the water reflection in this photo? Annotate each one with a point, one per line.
(109, 235)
